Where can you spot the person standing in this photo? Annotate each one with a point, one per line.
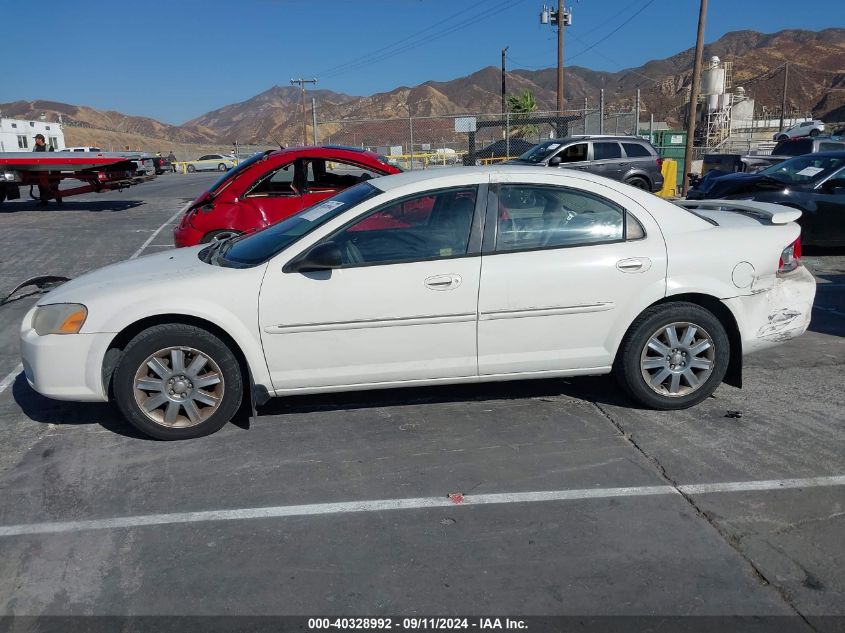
(41, 146)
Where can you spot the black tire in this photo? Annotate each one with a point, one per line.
(185, 337)
(221, 167)
(215, 235)
(814, 133)
(629, 360)
(191, 169)
(638, 183)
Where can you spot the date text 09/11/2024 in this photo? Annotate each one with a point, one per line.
(415, 624)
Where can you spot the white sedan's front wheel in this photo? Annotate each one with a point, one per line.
(674, 356)
(178, 381)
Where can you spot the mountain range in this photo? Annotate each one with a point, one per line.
(816, 85)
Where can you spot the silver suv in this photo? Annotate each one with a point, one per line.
(627, 158)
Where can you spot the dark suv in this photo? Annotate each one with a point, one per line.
(808, 145)
(627, 158)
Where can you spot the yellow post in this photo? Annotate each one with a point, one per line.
(670, 178)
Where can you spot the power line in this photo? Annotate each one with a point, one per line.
(404, 40)
(613, 32)
(415, 41)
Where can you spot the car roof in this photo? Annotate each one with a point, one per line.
(475, 175)
(832, 154)
(603, 137)
(327, 151)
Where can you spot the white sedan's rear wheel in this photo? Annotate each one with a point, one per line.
(674, 356)
(178, 381)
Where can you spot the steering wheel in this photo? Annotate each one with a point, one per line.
(353, 255)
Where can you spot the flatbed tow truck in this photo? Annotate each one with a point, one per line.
(101, 171)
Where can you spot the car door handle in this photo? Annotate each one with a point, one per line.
(443, 282)
(634, 265)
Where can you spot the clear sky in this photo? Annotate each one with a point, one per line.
(178, 59)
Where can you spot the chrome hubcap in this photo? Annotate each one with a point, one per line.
(178, 387)
(678, 359)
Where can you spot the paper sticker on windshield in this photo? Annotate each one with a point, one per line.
(320, 210)
(810, 171)
(553, 146)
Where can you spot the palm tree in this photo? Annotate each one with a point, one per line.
(522, 105)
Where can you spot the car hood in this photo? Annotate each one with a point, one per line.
(173, 282)
(719, 186)
(182, 263)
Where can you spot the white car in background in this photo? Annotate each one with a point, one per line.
(457, 275)
(211, 162)
(806, 128)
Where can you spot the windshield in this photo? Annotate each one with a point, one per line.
(803, 169)
(240, 167)
(257, 248)
(541, 152)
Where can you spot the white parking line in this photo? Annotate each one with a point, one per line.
(382, 505)
(10, 378)
(155, 234)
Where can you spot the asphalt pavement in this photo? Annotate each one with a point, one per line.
(552, 497)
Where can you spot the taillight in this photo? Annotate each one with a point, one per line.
(660, 161)
(790, 258)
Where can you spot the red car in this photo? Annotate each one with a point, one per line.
(273, 186)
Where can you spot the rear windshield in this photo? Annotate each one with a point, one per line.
(257, 248)
(793, 148)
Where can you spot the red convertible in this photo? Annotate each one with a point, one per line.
(272, 186)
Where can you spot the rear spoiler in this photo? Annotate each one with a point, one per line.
(774, 213)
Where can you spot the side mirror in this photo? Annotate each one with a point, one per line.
(554, 161)
(325, 256)
(834, 186)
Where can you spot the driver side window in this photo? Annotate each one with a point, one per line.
(574, 153)
(430, 226)
(276, 183)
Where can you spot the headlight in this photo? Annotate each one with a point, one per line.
(59, 318)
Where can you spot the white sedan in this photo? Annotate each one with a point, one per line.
(209, 162)
(460, 275)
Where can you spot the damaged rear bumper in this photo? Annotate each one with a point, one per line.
(775, 313)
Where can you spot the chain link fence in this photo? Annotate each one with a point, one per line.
(422, 142)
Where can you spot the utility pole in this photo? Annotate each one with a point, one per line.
(504, 54)
(637, 115)
(302, 83)
(783, 103)
(561, 18)
(693, 97)
(314, 118)
(559, 59)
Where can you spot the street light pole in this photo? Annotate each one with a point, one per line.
(694, 89)
(783, 103)
(504, 54)
(302, 83)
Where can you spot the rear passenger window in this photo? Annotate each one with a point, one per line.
(831, 147)
(536, 216)
(635, 150)
(605, 151)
